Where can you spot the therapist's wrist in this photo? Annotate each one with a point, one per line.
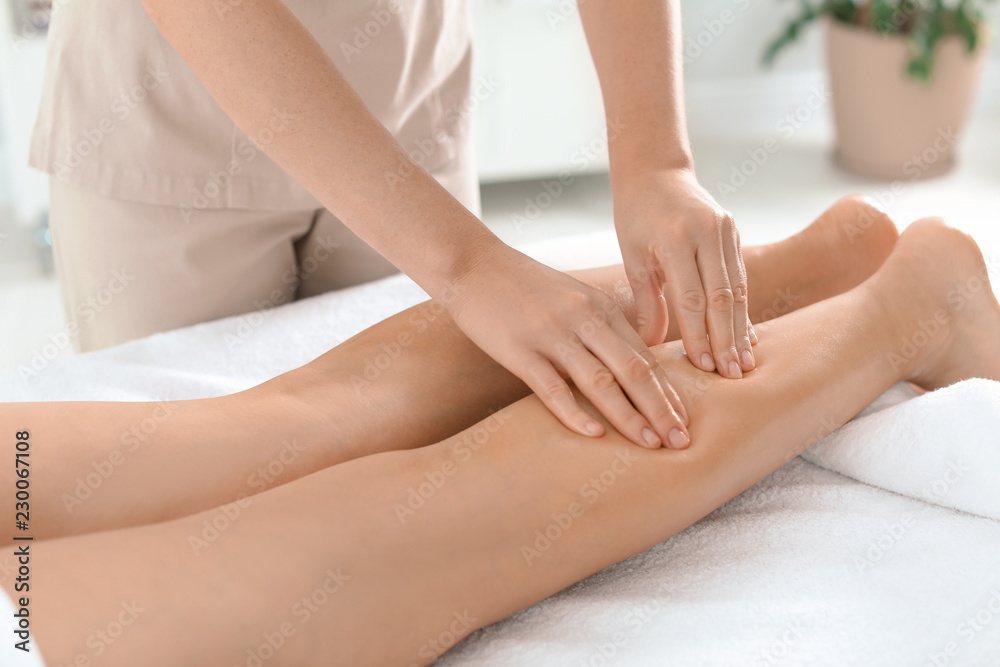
(630, 170)
(476, 258)
(638, 181)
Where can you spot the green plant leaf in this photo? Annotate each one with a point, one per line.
(924, 22)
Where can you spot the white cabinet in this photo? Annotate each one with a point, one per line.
(546, 115)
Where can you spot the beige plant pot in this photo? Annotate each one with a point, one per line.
(889, 124)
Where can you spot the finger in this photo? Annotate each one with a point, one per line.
(650, 305)
(719, 297)
(596, 382)
(671, 393)
(621, 351)
(738, 282)
(548, 385)
(658, 372)
(687, 301)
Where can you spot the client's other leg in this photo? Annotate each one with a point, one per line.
(393, 552)
(407, 382)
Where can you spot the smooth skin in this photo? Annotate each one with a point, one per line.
(397, 588)
(542, 325)
(149, 449)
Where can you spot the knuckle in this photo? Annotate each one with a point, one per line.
(722, 299)
(604, 304)
(740, 293)
(693, 300)
(664, 418)
(571, 303)
(603, 379)
(555, 388)
(637, 368)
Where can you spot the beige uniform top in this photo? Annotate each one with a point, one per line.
(123, 115)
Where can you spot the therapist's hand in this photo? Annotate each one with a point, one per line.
(544, 326)
(682, 256)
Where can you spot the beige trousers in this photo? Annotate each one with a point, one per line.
(130, 269)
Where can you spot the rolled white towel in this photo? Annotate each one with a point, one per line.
(942, 447)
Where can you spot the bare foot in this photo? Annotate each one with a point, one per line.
(845, 245)
(936, 288)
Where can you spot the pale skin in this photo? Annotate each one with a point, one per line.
(395, 581)
(259, 58)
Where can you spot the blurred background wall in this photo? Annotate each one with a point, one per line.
(543, 102)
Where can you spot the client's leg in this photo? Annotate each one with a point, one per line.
(410, 381)
(388, 559)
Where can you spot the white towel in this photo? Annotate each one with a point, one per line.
(17, 650)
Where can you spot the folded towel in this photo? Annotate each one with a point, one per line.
(942, 449)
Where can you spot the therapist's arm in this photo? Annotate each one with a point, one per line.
(680, 248)
(259, 61)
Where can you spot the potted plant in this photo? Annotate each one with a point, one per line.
(902, 75)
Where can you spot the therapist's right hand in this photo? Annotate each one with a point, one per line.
(544, 326)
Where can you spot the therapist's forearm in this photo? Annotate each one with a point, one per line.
(636, 50)
(258, 60)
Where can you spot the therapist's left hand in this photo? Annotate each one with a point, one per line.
(682, 256)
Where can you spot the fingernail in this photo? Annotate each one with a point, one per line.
(650, 437)
(592, 427)
(753, 336)
(678, 439)
(734, 370)
(707, 363)
(747, 359)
